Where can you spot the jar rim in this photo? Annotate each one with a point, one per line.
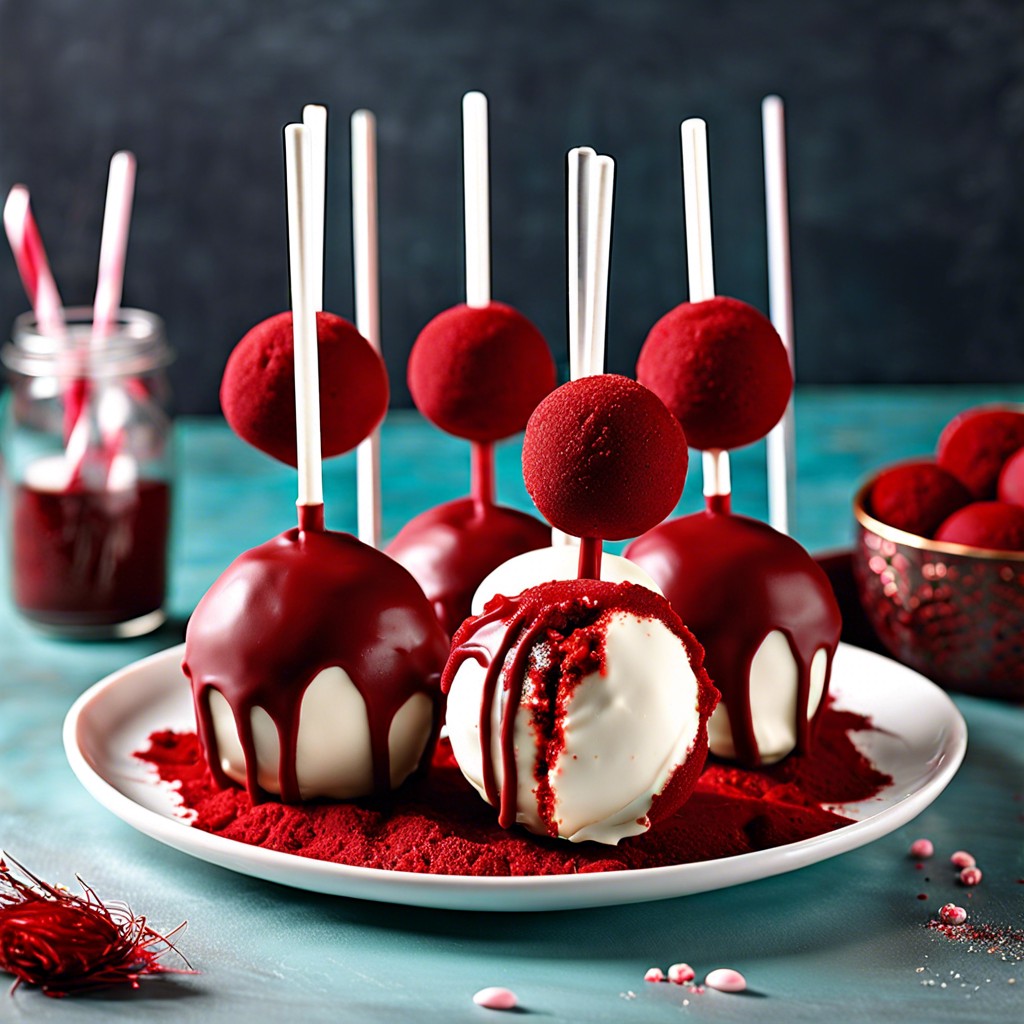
(136, 344)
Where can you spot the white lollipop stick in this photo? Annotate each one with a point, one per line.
(307, 382)
(477, 193)
(314, 119)
(367, 295)
(700, 265)
(782, 437)
(603, 191)
(117, 215)
(580, 248)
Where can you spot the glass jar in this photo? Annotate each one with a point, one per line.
(88, 472)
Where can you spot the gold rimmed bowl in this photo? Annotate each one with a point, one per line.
(952, 612)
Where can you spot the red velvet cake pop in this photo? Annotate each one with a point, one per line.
(768, 620)
(1011, 480)
(721, 368)
(985, 524)
(479, 372)
(257, 391)
(603, 457)
(917, 497)
(579, 708)
(974, 445)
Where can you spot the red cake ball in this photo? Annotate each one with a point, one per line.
(917, 497)
(721, 368)
(974, 445)
(257, 391)
(985, 524)
(1011, 480)
(603, 457)
(478, 373)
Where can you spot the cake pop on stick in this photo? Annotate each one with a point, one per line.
(590, 194)
(760, 605)
(578, 708)
(365, 257)
(781, 438)
(314, 659)
(476, 371)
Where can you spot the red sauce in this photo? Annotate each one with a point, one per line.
(438, 824)
(90, 558)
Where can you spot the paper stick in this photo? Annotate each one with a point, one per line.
(314, 119)
(782, 437)
(366, 265)
(477, 199)
(580, 164)
(307, 384)
(33, 266)
(602, 195)
(117, 215)
(700, 266)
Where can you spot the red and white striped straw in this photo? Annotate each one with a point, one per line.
(30, 256)
(113, 243)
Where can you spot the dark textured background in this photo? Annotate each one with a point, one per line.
(906, 121)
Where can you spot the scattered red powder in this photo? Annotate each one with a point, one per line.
(439, 825)
(1007, 943)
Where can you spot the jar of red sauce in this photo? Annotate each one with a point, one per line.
(88, 467)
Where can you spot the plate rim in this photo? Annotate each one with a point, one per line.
(489, 893)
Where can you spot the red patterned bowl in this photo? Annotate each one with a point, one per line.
(953, 612)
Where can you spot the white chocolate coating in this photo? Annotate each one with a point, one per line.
(626, 729)
(555, 563)
(333, 757)
(774, 678)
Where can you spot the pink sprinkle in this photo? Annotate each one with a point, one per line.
(654, 974)
(495, 998)
(952, 914)
(921, 849)
(680, 974)
(970, 876)
(962, 859)
(725, 979)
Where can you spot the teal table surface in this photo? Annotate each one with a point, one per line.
(844, 940)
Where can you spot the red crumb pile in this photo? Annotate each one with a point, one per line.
(439, 825)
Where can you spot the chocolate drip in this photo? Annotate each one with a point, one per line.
(734, 580)
(449, 549)
(300, 603)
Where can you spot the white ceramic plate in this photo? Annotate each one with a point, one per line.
(919, 740)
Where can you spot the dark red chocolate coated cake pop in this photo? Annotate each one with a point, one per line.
(721, 368)
(916, 497)
(734, 581)
(283, 616)
(603, 457)
(451, 548)
(479, 372)
(974, 445)
(985, 524)
(257, 392)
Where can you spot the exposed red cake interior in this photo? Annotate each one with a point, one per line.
(603, 457)
(1011, 480)
(721, 368)
(917, 497)
(986, 524)
(438, 824)
(257, 391)
(449, 550)
(974, 445)
(478, 373)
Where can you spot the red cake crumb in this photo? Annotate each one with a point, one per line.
(439, 825)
